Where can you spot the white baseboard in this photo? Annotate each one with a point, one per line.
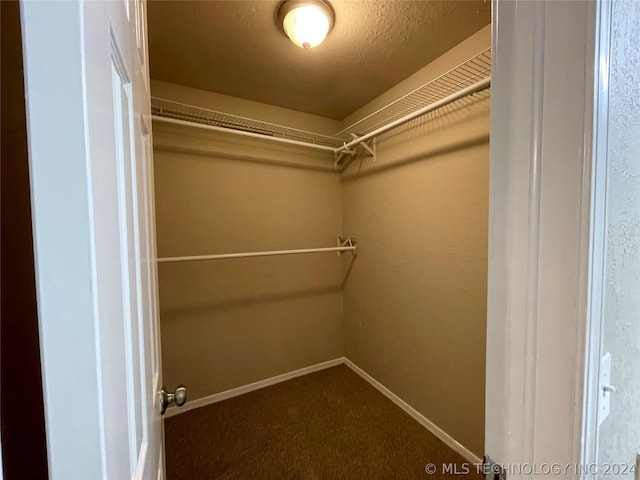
(448, 440)
(451, 442)
(234, 392)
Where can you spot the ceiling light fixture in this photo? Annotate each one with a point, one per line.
(306, 22)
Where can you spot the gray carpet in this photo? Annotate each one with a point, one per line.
(329, 425)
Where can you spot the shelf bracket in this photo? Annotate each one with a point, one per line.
(340, 156)
(369, 146)
(346, 241)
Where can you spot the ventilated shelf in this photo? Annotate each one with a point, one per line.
(458, 78)
(192, 114)
(471, 77)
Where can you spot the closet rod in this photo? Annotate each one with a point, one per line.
(346, 146)
(476, 87)
(196, 258)
(243, 133)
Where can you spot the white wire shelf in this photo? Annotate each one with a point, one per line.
(469, 77)
(466, 74)
(167, 109)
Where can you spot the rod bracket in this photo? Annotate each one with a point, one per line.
(339, 156)
(346, 241)
(368, 146)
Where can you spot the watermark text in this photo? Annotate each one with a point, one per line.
(538, 469)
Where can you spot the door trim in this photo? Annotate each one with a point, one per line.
(62, 222)
(598, 236)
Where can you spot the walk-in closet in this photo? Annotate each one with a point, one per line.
(320, 239)
(321, 207)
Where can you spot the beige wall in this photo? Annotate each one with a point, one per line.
(415, 300)
(228, 323)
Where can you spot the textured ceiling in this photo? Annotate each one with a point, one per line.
(236, 48)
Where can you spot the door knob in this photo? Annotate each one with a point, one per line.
(166, 398)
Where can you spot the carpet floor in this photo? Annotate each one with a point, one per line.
(328, 425)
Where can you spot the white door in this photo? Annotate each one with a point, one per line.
(89, 130)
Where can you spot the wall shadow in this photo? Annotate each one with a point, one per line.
(247, 301)
(448, 149)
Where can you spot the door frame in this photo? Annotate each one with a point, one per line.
(541, 234)
(598, 234)
(540, 260)
(63, 245)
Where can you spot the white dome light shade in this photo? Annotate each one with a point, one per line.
(307, 23)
